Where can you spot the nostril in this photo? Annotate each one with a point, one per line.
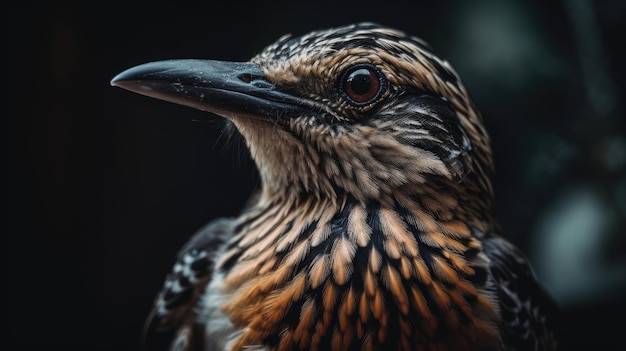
(246, 77)
(255, 80)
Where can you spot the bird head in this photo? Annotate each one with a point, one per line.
(360, 110)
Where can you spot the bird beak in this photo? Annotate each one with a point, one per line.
(228, 89)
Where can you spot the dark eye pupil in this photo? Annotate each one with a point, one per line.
(360, 81)
(362, 85)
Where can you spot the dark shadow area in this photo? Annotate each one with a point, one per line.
(104, 186)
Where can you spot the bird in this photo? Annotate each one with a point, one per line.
(373, 226)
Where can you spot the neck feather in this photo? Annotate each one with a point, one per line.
(307, 267)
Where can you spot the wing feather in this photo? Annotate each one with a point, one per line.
(530, 318)
(172, 323)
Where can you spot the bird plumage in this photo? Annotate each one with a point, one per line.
(173, 316)
(373, 228)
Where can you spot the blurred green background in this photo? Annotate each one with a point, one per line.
(104, 185)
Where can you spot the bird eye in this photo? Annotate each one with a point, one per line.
(362, 84)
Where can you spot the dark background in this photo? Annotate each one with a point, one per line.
(105, 185)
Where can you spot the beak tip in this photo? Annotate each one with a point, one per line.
(115, 82)
(136, 73)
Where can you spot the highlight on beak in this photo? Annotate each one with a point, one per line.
(224, 88)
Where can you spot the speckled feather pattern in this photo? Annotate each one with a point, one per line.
(359, 276)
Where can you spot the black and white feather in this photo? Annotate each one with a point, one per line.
(529, 315)
(172, 320)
